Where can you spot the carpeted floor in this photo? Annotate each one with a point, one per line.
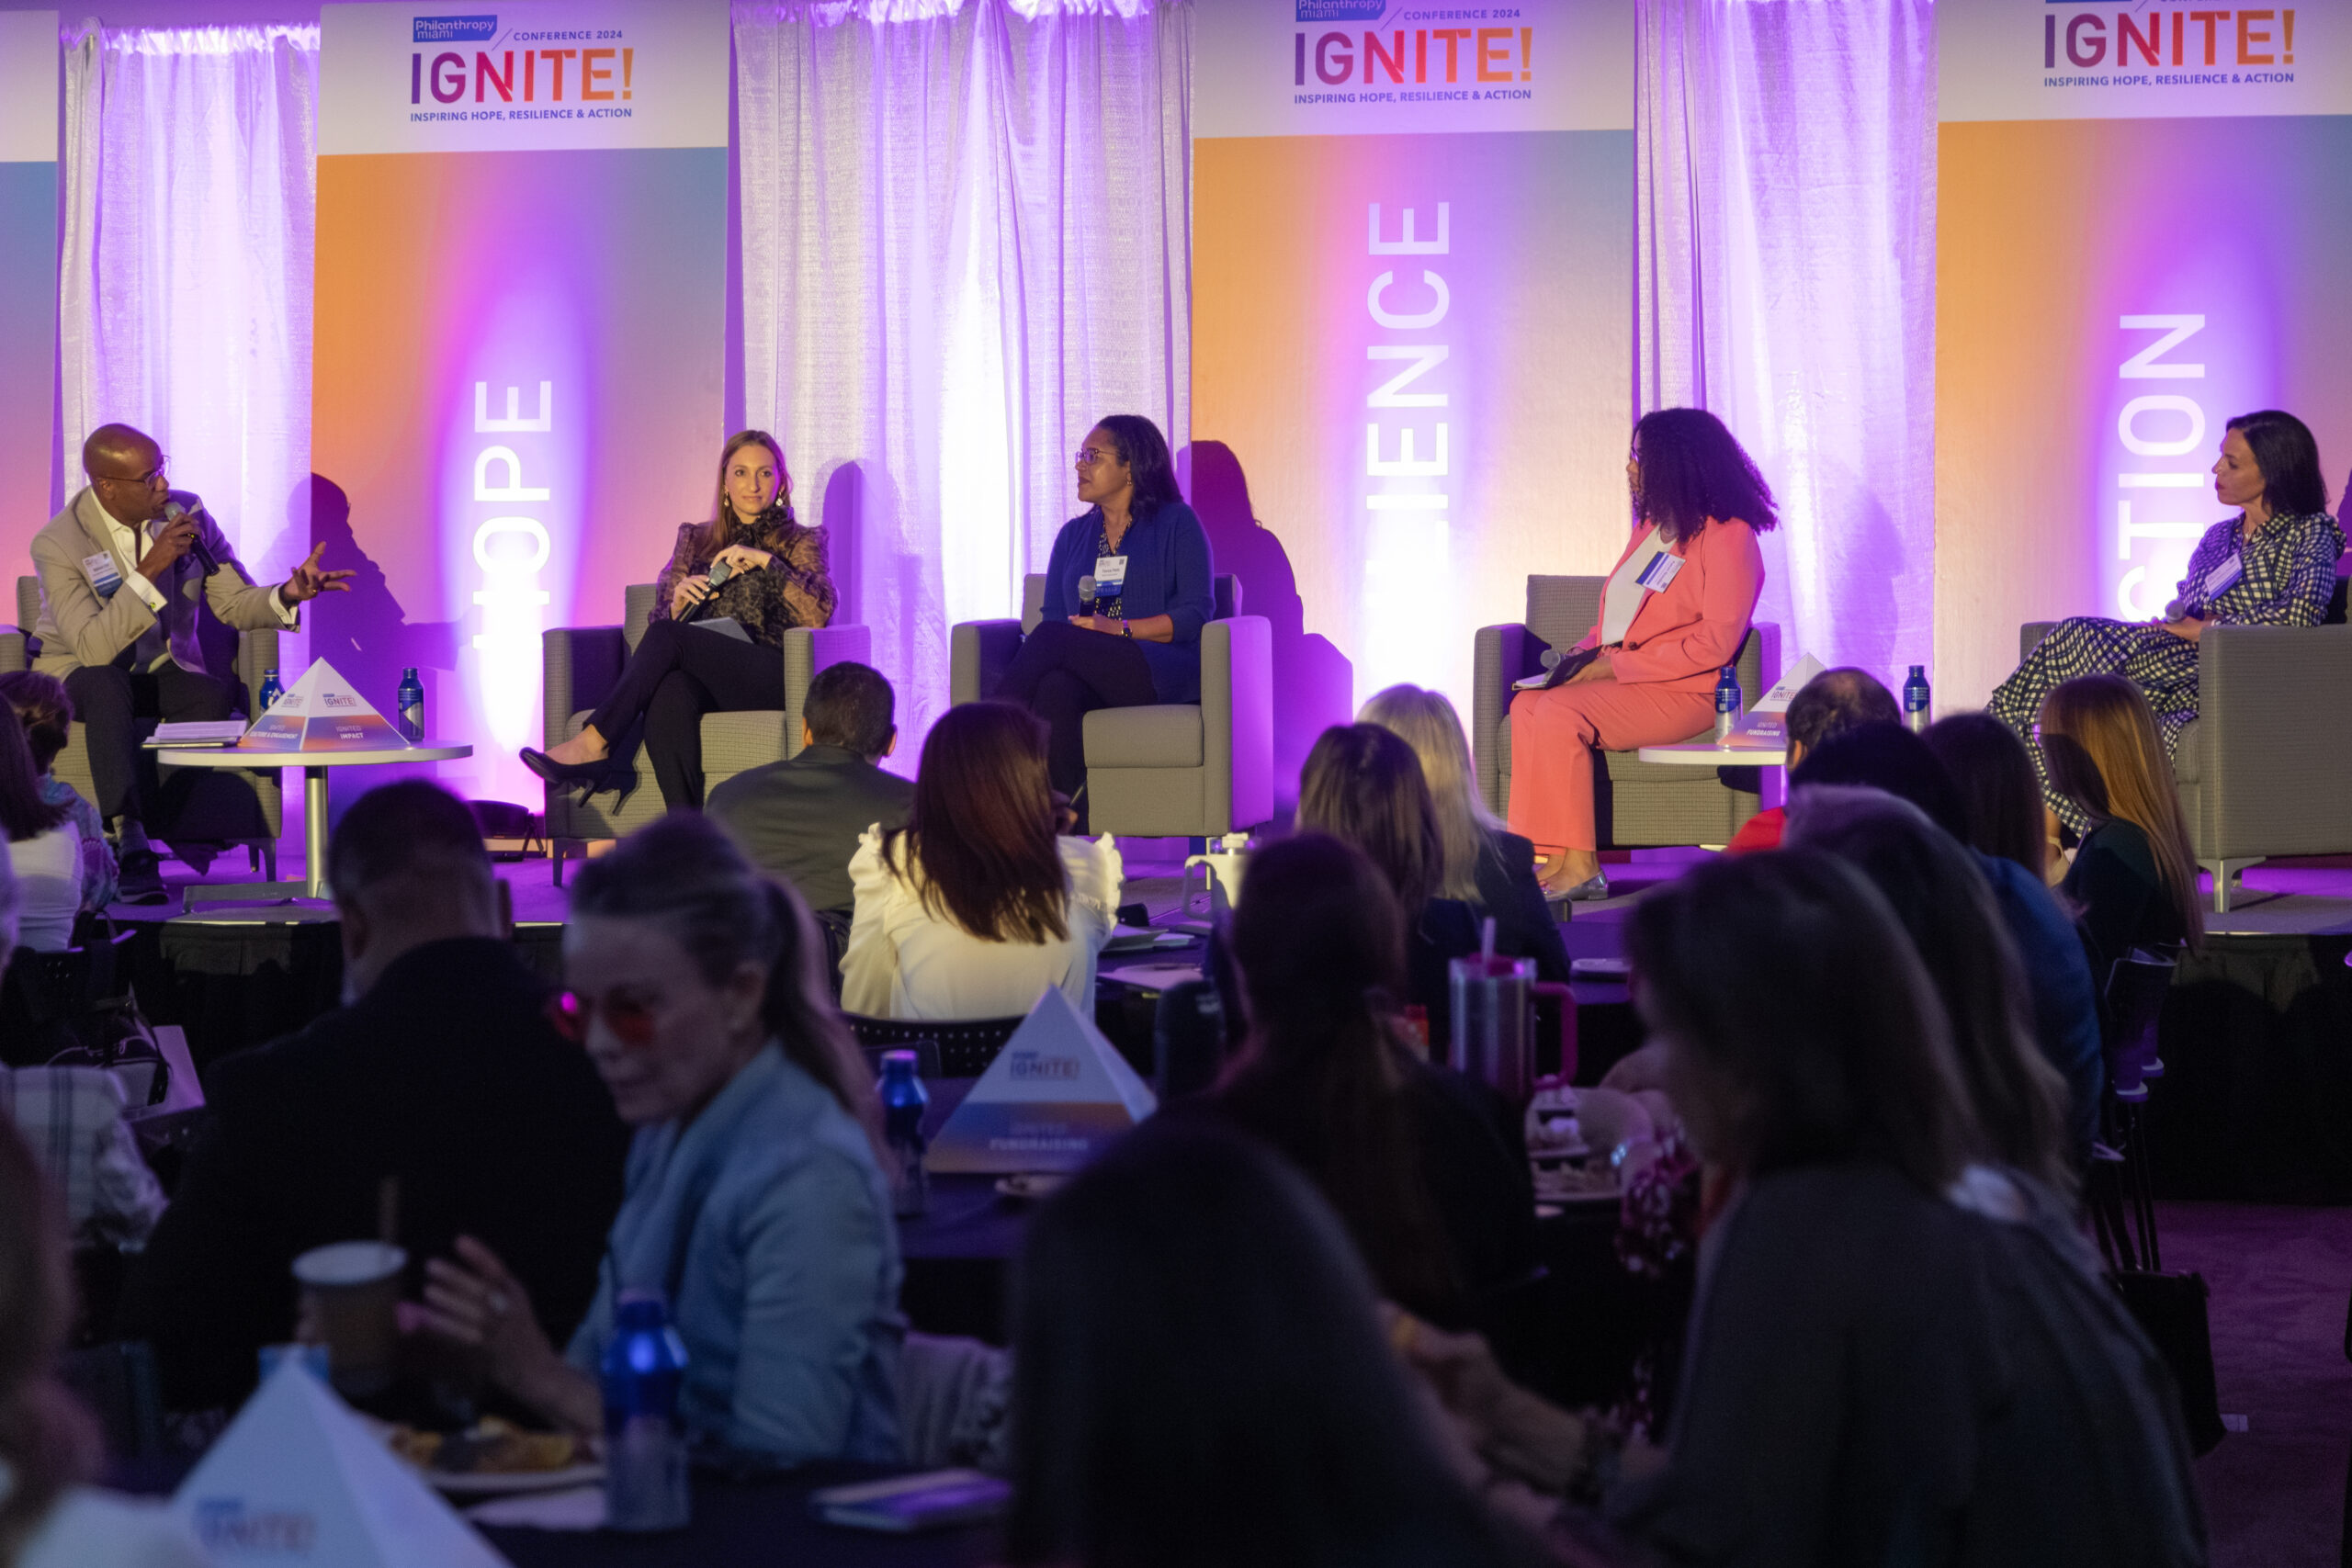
(2279, 1276)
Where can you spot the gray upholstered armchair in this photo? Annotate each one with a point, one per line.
(2261, 770)
(583, 663)
(1191, 770)
(1635, 803)
(199, 804)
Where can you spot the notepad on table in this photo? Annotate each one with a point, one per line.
(209, 732)
(938, 1499)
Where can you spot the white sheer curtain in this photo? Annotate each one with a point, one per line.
(184, 288)
(1785, 269)
(967, 236)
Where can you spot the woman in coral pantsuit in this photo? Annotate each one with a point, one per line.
(1675, 612)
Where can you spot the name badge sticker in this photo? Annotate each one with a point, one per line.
(1110, 575)
(104, 574)
(2224, 575)
(1663, 569)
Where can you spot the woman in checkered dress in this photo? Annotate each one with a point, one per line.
(2272, 565)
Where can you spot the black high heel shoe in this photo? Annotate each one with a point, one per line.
(586, 776)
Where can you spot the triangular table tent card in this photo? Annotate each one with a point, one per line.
(322, 713)
(1056, 1096)
(297, 1479)
(1765, 727)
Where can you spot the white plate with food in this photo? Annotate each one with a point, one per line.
(493, 1457)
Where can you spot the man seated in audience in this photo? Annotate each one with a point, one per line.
(800, 819)
(1827, 706)
(72, 1120)
(439, 1101)
(122, 569)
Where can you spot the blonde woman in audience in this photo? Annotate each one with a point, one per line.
(1488, 866)
(977, 906)
(2134, 875)
(756, 1200)
(49, 1445)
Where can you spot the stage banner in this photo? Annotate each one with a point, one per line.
(2143, 210)
(521, 262)
(1412, 361)
(28, 68)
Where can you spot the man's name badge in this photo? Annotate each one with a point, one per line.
(105, 576)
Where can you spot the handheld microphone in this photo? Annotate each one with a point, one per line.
(173, 512)
(719, 572)
(1086, 595)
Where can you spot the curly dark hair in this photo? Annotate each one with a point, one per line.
(1693, 468)
(1145, 452)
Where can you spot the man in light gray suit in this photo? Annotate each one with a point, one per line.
(122, 569)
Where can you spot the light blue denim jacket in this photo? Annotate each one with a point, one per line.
(786, 1292)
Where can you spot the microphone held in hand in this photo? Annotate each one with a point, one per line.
(1086, 596)
(172, 513)
(719, 572)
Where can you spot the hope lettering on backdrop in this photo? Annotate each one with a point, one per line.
(518, 391)
(2143, 210)
(1412, 258)
(28, 271)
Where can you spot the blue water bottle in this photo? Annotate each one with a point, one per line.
(270, 690)
(904, 1100)
(412, 705)
(1728, 702)
(645, 1446)
(1915, 699)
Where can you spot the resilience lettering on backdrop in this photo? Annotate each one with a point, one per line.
(1412, 257)
(521, 258)
(2108, 296)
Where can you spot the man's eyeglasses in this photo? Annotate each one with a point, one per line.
(145, 481)
(627, 1017)
(1088, 456)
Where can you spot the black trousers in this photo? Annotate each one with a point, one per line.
(108, 702)
(677, 674)
(1064, 672)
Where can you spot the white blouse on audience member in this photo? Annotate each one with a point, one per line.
(905, 962)
(48, 869)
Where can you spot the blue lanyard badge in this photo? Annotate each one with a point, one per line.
(104, 574)
(1663, 569)
(2220, 579)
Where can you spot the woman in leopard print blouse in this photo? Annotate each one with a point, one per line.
(683, 668)
(2272, 565)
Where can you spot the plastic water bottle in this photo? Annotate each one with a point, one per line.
(904, 1100)
(270, 690)
(645, 1447)
(1915, 700)
(1728, 702)
(412, 705)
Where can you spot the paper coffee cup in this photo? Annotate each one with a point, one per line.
(351, 1293)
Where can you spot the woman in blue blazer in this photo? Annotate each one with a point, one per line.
(1137, 640)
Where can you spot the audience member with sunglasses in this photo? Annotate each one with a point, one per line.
(756, 1200)
(441, 1074)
